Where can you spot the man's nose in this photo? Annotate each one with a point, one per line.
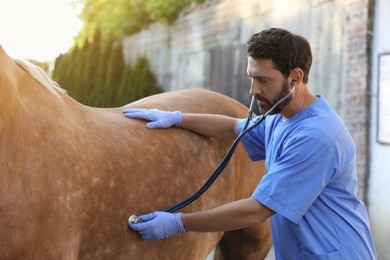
(253, 91)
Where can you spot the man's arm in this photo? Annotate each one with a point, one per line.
(235, 215)
(216, 126)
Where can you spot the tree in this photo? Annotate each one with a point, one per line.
(142, 80)
(96, 74)
(118, 18)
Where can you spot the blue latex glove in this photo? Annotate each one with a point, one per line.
(157, 118)
(159, 225)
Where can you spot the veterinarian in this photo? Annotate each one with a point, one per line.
(310, 188)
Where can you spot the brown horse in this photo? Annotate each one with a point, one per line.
(70, 175)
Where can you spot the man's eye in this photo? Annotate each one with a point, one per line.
(263, 81)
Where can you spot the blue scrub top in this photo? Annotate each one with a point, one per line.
(311, 184)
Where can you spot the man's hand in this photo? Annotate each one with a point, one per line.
(156, 118)
(159, 225)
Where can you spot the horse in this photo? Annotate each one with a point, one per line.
(71, 174)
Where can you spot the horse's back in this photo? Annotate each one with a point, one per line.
(95, 167)
(195, 100)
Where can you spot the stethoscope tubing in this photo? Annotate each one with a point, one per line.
(219, 169)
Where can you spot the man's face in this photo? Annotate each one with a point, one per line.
(268, 85)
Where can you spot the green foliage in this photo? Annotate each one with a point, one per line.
(117, 18)
(166, 11)
(96, 74)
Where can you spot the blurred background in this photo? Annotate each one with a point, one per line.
(108, 53)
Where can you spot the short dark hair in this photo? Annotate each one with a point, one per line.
(286, 50)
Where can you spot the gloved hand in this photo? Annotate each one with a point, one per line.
(157, 118)
(159, 225)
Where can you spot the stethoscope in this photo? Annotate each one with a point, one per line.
(133, 219)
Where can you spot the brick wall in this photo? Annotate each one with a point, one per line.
(358, 26)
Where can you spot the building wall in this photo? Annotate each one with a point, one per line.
(180, 54)
(357, 28)
(378, 191)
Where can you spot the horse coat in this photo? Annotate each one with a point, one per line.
(70, 175)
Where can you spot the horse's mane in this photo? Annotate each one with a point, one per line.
(39, 75)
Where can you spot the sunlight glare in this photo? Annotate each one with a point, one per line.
(37, 29)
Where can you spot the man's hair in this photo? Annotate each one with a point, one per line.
(286, 50)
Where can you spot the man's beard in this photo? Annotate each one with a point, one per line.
(267, 104)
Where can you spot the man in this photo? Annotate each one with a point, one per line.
(310, 187)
